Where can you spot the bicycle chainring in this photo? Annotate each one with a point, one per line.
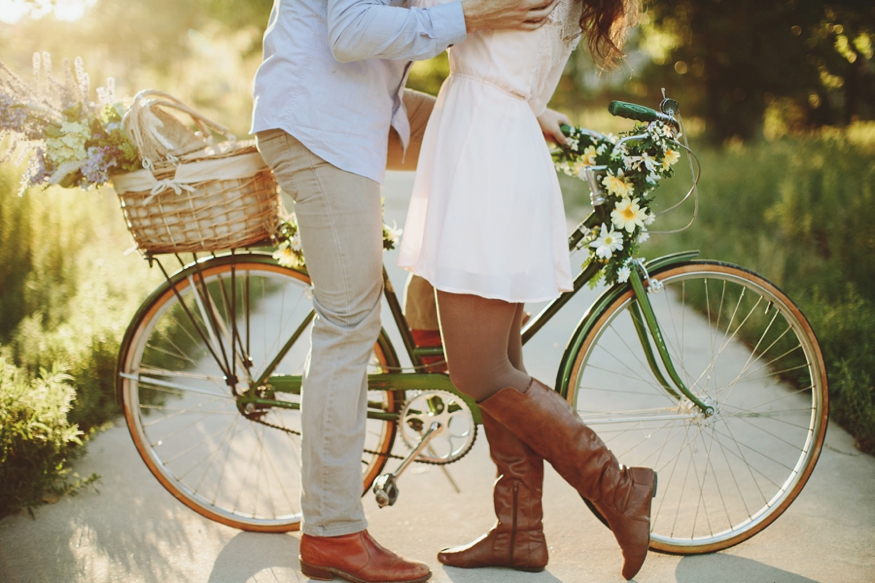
(458, 431)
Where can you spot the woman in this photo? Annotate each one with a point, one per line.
(486, 227)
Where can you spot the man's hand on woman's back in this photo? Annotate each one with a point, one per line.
(503, 14)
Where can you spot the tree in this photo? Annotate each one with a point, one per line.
(807, 61)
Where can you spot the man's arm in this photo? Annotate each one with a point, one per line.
(369, 29)
(504, 14)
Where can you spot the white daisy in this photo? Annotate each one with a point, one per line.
(287, 257)
(671, 157)
(607, 242)
(628, 214)
(391, 235)
(648, 161)
(617, 185)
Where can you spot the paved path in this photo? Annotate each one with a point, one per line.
(134, 531)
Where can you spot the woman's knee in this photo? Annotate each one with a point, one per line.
(467, 382)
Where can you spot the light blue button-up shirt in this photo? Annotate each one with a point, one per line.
(334, 71)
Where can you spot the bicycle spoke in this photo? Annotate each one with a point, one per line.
(717, 482)
(719, 475)
(177, 412)
(749, 464)
(238, 471)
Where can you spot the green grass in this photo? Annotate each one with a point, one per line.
(801, 212)
(69, 290)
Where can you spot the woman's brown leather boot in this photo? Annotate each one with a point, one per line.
(547, 423)
(517, 539)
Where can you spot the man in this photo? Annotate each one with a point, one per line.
(331, 114)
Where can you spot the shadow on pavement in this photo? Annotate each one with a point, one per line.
(718, 568)
(498, 574)
(249, 553)
(125, 529)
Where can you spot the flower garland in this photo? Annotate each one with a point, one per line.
(72, 141)
(290, 253)
(632, 170)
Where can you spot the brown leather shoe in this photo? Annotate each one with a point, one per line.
(517, 539)
(548, 424)
(358, 558)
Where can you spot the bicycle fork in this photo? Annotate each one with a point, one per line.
(645, 321)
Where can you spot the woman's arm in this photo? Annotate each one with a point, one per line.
(548, 119)
(550, 122)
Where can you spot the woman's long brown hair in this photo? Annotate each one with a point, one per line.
(605, 24)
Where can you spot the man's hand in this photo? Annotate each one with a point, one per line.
(503, 14)
(550, 121)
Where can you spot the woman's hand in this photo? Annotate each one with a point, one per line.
(550, 121)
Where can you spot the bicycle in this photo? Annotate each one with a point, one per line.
(209, 378)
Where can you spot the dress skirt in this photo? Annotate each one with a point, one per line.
(486, 216)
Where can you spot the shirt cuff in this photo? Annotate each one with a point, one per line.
(449, 23)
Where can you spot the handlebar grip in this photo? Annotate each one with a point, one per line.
(633, 111)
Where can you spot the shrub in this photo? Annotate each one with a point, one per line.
(69, 289)
(37, 441)
(68, 292)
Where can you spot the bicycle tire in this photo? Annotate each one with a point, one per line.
(189, 430)
(770, 420)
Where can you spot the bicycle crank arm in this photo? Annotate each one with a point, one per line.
(386, 486)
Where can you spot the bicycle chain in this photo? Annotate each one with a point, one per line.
(370, 451)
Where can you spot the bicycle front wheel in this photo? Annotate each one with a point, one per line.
(741, 346)
(235, 464)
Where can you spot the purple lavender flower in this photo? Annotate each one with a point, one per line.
(13, 117)
(95, 171)
(42, 168)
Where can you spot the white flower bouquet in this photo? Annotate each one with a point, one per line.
(628, 173)
(290, 253)
(72, 141)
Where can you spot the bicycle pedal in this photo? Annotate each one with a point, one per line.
(386, 490)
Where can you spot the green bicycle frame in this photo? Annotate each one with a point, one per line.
(646, 325)
(261, 393)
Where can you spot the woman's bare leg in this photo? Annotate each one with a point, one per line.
(482, 354)
(515, 341)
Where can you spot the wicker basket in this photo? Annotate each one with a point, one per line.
(214, 215)
(216, 198)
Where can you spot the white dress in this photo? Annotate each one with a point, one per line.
(486, 216)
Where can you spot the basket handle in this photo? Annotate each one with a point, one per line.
(148, 98)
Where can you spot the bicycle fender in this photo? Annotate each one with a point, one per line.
(595, 310)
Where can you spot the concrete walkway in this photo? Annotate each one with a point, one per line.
(132, 530)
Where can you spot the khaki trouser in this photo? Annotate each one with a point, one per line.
(340, 220)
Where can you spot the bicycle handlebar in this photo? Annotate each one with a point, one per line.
(639, 113)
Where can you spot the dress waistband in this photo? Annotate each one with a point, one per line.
(490, 83)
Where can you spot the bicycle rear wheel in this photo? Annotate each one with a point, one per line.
(741, 346)
(242, 470)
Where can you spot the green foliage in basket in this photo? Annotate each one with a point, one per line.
(71, 141)
(632, 170)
